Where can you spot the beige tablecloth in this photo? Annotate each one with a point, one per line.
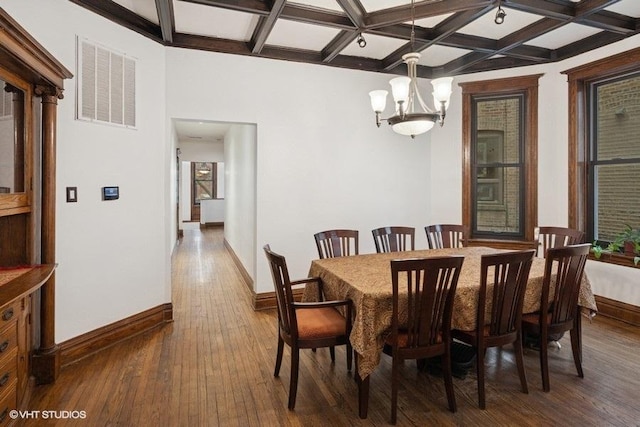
(366, 280)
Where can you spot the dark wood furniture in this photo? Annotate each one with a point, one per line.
(559, 304)
(365, 280)
(421, 328)
(17, 286)
(445, 236)
(508, 273)
(394, 239)
(334, 243)
(556, 237)
(27, 212)
(306, 325)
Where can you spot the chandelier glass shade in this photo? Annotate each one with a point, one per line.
(412, 116)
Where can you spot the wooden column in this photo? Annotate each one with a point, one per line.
(46, 359)
(18, 131)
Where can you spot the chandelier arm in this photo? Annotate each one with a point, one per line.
(422, 103)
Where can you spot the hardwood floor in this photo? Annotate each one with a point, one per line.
(214, 367)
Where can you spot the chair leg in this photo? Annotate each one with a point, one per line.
(293, 385)
(332, 352)
(448, 380)
(576, 345)
(276, 372)
(395, 365)
(544, 362)
(349, 356)
(480, 370)
(520, 363)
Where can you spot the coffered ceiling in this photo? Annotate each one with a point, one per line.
(454, 36)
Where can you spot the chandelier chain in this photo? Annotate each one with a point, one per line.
(413, 24)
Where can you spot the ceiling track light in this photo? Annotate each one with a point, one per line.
(500, 14)
(361, 41)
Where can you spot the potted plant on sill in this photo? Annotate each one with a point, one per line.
(627, 242)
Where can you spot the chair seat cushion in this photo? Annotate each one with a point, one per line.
(534, 318)
(316, 323)
(403, 339)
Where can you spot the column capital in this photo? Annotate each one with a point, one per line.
(48, 91)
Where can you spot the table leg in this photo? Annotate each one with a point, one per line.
(363, 395)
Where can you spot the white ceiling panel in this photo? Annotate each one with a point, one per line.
(373, 5)
(436, 55)
(626, 7)
(564, 35)
(485, 26)
(200, 131)
(431, 21)
(377, 47)
(145, 8)
(206, 21)
(310, 37)
(321, 4)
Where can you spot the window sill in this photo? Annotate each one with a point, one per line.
(615, 258)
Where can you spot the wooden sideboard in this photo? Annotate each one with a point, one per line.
(31, 83)
(17, 288)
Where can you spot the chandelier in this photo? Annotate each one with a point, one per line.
(412, 116)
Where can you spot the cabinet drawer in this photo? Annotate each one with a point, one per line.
(10, 312)
(8, 372)
(8, 403)
(8, 339)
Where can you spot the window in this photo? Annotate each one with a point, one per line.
(500, 170)
(604, 154)
(203, 174)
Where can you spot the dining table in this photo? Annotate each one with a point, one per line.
(366, 281)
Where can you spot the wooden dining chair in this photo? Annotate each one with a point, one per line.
(421, 323)
(445, 236)
(559, 310)
(336, 243)
(507, 274)
(394, 239)
(306, 325)
(556, 237)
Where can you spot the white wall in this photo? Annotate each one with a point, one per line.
(113, 256)
(240, 189)
(321, 161)
(212, 211)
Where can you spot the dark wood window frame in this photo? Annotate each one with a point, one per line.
(579, 79)
(194, 181)
(527, 85)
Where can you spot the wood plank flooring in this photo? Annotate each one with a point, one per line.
(213, 366)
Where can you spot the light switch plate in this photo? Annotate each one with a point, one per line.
(72, 194)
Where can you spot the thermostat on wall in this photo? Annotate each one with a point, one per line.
(110, 193)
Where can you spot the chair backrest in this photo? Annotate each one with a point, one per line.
(336, 243)
(445, 236)
(284, 295)
(508, 273)
(564, 266)
(556, 237)
(430, 288)
(394, 239)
